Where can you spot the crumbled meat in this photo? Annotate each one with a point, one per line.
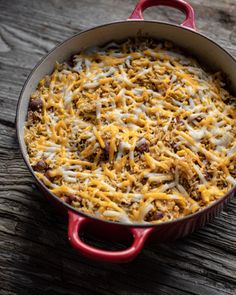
(176, 208)
(81, 145)
(70, 198)
(144, 180)
(206, 174)
(174, 146)
(88, 108)
(74, 198)
(65, 199)
(177, 119)
(49, 177)
(31, 117)
(143, 148)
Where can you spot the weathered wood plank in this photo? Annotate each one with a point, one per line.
(35, 257)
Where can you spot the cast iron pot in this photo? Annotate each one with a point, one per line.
(184, 36)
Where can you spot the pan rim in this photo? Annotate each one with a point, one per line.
(69, 207)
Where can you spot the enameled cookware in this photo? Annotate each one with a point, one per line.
(185, 36)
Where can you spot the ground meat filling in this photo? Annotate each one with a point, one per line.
(136, 132)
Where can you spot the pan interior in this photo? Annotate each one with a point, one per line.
(206, 51)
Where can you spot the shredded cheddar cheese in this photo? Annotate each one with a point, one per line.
(135, 132)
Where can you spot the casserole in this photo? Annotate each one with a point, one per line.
(218, 57)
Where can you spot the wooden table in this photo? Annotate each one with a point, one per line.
(35, 257)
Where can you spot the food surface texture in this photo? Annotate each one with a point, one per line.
(136, 132)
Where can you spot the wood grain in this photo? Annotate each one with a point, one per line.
(35, 257)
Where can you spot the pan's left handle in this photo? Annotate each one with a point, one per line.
(182, 5)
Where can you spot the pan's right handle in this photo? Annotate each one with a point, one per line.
(183, 6)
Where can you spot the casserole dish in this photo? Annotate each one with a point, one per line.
(198, 45)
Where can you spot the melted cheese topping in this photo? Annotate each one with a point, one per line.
(134, 132)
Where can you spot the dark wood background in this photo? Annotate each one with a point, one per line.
(35, 257)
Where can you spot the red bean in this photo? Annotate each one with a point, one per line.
(106, 150)
(143, 148)
(41, 166)
(157, 215)
(36, 104)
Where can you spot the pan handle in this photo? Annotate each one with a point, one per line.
(185, 7)
(76, 222)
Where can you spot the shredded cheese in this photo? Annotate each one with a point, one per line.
(134, 132)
